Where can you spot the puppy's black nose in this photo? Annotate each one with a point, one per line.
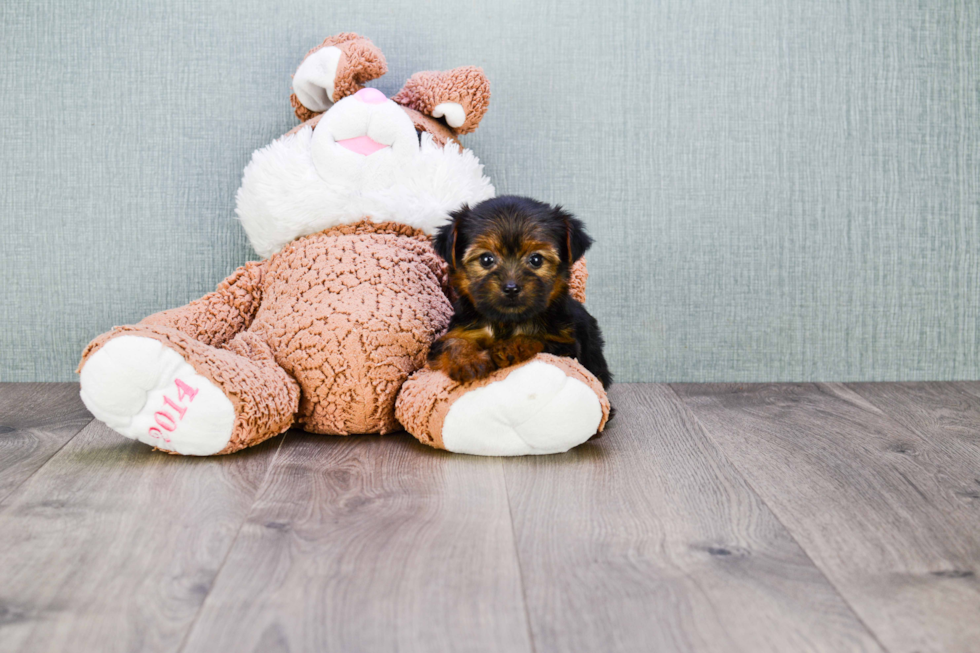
(511, 288)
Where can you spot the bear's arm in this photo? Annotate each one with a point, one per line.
(576, 282)
(215, 318)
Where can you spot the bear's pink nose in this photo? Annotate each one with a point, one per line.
(370, 96)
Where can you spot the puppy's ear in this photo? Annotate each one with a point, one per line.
(448, 242)
(576, 242)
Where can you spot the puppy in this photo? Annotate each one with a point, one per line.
(509, 262)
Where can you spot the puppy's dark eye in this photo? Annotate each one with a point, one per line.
(535, 260)
(487, 260)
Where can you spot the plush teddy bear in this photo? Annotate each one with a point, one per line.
(326, 330)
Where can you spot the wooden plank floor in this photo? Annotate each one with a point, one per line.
(747, 518)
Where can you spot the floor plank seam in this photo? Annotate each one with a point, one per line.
(231, 546)
(775, 515)
(517, 558)
(14, 489)
(911, 428)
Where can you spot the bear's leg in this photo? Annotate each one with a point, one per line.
(158, 386)
(546, 405)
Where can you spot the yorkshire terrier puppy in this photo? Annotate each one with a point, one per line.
(509, 261)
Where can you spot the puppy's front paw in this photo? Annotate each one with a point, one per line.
(472, 367)
(467, 366)
(515, 350)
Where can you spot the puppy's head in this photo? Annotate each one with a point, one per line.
(510, 256)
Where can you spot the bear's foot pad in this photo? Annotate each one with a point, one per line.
(536, 409)
(146, 391)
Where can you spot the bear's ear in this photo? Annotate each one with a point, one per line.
(459, 96)
(576, 240)
(449, 243)
(333, 70)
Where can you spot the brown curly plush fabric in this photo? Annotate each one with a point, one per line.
(576, 282)
(428, 395)
(301, 112)
(466, 85)
(321, 335)
(361, 62)
(350, 313)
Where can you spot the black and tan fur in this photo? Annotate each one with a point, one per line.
(509, 262)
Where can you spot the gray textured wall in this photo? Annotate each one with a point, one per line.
(780, 190)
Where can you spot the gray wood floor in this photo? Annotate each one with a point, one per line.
(709, 518)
